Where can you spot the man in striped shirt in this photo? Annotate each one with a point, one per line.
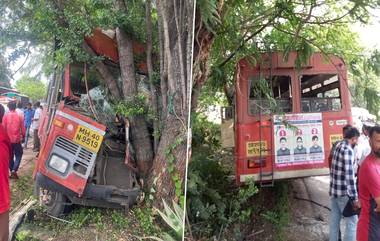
(343, 186)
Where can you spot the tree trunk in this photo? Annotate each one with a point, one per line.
(163, 66)
(160, 177)
(140, 137)
(153, 92)
(202, 48)
(170, 160)
(110, 82)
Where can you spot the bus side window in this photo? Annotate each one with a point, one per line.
(320, 92)
(270, 95)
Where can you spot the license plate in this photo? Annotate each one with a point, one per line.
(88, 138)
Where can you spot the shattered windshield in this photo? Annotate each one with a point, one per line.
(100, 107)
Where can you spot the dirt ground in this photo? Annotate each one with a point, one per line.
(308, 213)
(310, 216)
(22, 188)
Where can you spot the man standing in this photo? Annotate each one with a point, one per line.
(36, 125)
(28, 117)
(343, 186)
(369, 191)
(344, 131)
(13, 124)
(5, 150)
(364, 148)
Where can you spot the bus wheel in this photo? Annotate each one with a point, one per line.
(55, 203)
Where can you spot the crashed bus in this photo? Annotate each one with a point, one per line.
(286, 116)
(83, 148)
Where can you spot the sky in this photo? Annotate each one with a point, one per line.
(370, 34)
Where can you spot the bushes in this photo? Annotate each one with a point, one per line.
(214, 203)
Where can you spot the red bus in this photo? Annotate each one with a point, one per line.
(83, 149)
(287, 117)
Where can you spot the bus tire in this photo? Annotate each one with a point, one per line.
(56, 203)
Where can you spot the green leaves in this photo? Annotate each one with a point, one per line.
(32, 87)
(132, 107)
(209, 13)
(365, 85)
(174, 219)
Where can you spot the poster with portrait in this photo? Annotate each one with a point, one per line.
(298, 139)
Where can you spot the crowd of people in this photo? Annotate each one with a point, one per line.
(355, 185)
(16, 123)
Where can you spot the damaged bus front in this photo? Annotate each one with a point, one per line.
(84, 145)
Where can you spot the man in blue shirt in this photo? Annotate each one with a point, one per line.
(28, 117)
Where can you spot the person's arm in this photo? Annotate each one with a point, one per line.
(331, 154)
(330, 158)
(5, 153)
(373, 184)
(22, 127)
(5, 122)
(349, 159)
(35, 116)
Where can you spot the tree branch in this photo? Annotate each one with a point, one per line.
(244, 42)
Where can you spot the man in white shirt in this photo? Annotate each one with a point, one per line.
(36, 125)
(363, 147)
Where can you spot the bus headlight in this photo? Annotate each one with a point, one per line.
(59, 164)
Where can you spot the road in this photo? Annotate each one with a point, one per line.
(309, 202)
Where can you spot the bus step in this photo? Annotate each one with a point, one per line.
(267, 174)
(267, 184)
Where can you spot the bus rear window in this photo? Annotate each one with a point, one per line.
(270, 95)
(320, 92)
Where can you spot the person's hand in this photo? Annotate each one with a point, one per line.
(377, 209)
(357, 205)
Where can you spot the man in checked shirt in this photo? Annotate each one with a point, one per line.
(343, 186)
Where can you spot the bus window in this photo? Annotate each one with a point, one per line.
(279, 90)
(320, 92)
(77, 82)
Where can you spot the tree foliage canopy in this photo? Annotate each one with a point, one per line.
(32, 87)
(247, 28)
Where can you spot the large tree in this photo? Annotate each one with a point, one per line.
(165, 27)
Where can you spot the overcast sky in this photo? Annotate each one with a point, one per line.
(370, 34)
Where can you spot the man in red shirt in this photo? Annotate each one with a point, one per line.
(5, 150)
(369, 191)
(13, 124)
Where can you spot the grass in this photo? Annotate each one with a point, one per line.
(88, 224)
(83, 223)
(275, 212)
(22, 188)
